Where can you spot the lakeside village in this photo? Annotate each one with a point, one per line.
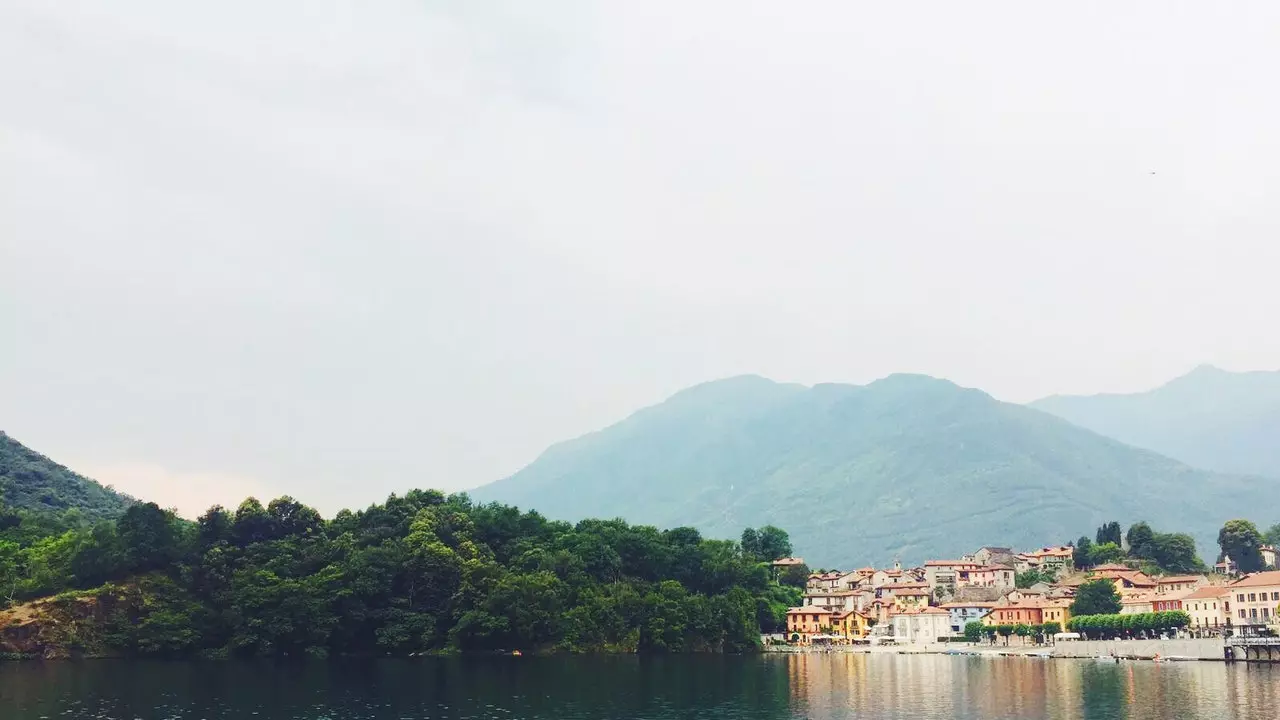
(942, 600)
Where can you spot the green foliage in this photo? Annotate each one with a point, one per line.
(1026, 579)
(1108, 533)
(1106, 626)
(31, 481)
(973, 631)
(1139, 539)
(1080, 554)
(766, 544)
(794, 576)
(788, 455)
(1096, 597)
(420, 573)
(1174, 552)
(1272, 535)
(1103, 553)
(1241, 541)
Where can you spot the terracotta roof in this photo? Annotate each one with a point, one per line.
(789, 561)
(967, 605)
(809, 610)
(945, 563)
(1053, 552)
(1271, 577)
(1177, 579)
(923, 611)
(992, 568)
(1111, 566)
(1207, 592)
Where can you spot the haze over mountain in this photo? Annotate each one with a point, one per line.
(31, 481)
(1209, 418)
(908, 466)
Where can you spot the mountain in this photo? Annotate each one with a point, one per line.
(32, 481)
(908, 466)
(1209, 418)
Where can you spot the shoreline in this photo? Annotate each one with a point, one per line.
(1207, 650)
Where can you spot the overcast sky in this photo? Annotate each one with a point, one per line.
(339, 249)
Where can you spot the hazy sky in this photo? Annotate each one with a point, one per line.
(337, 249)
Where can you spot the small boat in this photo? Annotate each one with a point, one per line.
(516, 653)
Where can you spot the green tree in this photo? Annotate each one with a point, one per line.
(794, 576)
(1030, 577)
(1241, 541)
(1103, 553)
(148, 536)
(1108, 533)
(1096, 597)
(973, 631)
(1139, 539)
(1174, 552)
(1080, 554)
(1272, 535)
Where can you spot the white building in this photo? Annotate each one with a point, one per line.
(918, 627)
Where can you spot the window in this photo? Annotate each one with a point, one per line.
(1275, 596)
(1242, 612)
(1240, 597)
(1266, 613)
(1253, 613)
(1253, 597)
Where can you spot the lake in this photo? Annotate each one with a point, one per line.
(815, 687)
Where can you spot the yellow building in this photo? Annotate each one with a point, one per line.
(909, 596)
(1058, 611)
(803, 623)
(850, 625)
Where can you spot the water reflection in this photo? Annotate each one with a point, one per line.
(936, 686)
(814, 687)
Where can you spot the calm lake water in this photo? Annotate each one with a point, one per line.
(815, 687)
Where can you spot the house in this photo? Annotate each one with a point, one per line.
(922, 625)
(1057, 559)
(832, 600)
(908, 595)
(1175, 583)
(850, 625)
(824, 581)
(1000, 576)
(1208, 607)
(880, 611)
(963, 613)
(805, 623)
(1137, 601)
(786, 562)
(1225, 566)
(1171, 600)
(1056, 610)
(994, 556)
(1268, 556)
(1255, 598)
(945, 573)
(1023, 612)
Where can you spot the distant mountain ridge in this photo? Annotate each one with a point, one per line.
(1209, 418)
(908, 466)
(31, 481)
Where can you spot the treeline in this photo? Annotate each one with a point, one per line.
(1112, 626)
(1154, 551)
(420, 573)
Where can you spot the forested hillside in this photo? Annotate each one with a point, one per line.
(31, 481)
(907, 467)
(1210, 418)
(420, 573)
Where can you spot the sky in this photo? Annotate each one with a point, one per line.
(343, 249)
